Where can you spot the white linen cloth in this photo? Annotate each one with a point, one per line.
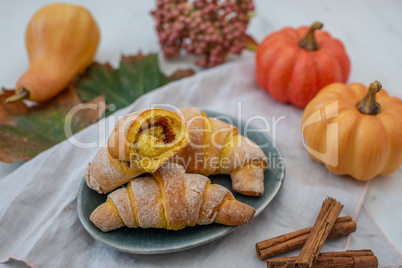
(38, 214)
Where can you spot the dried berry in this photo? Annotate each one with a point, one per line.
(209, 29)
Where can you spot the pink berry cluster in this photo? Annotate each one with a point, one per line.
(209, 29)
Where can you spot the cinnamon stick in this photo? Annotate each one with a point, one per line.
(325, 221)
(346, 259)
(348, 253)
(280, 244)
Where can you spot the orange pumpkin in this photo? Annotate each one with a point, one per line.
(61, 40)
(354, 131)
(294, 64)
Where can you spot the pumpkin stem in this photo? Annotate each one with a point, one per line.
(369, 104)
(21, 93)
(309, 42)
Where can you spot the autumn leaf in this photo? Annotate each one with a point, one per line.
(135, 76)
(27, 131)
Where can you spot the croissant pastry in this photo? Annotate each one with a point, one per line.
(216, 147)
(140, 142)
(170, 199)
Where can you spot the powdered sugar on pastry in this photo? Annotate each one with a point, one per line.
(194, 189)
(213, 196)
(171, 180)
(154, 203)
(140, 142)
(105, 174)
(193, 154)
(118, 137)
(217, 148)
(148, 202)
(122, 202)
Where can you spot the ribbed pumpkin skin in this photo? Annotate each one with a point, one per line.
(369, 145)
(61, 40)
(292, 74)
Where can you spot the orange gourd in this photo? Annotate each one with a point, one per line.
(61, 40)
(294, 64)
(354, 131)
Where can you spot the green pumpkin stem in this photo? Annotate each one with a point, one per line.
(369, 104)
(309, 42)
(20, 94)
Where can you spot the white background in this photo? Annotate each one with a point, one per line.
(370, 30)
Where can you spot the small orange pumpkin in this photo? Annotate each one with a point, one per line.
(294, 64)
(361, 132)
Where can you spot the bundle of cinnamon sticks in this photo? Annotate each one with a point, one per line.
(327, 226)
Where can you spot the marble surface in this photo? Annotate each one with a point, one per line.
(370, 30)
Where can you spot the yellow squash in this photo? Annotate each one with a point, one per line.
(61, 40)
(354, 131)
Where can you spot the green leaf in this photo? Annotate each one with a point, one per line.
(135, 76)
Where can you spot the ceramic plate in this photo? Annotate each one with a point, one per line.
(155, 241)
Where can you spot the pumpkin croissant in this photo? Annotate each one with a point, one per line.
(216, 147)
(170, 199)
(140, 142)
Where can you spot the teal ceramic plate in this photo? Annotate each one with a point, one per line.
(155, 241)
